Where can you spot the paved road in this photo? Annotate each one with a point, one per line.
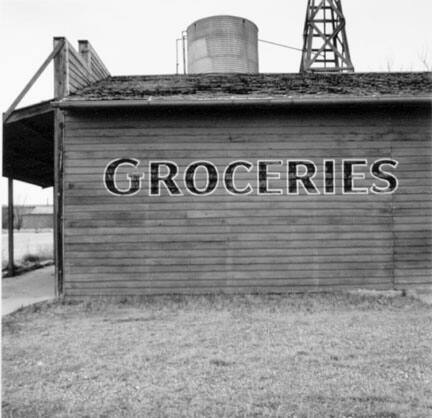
(31, 287)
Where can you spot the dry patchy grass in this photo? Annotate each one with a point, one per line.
(289, 356)
(28, 243)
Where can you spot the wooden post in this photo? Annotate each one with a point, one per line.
(85, 52)
(61, 69)
(11, 264)
(184, 52)
(95, 65)
(58, 200)
(61, 89)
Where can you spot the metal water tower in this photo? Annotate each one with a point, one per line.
(222, 44)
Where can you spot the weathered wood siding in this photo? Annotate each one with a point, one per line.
(74, 69)
(162, 244)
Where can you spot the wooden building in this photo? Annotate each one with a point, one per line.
(350, 229)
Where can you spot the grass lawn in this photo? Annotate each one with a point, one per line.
(340, 355)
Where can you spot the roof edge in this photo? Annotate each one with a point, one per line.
(77, 104)
(29, 111)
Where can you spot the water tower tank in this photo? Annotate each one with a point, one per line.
(222, 44)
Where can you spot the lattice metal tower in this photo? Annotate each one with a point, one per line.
(325, 47)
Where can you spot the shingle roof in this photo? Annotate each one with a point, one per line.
(166, 88)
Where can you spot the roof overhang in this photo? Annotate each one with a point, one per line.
(28, 145)
(28, 134)
(253, 101)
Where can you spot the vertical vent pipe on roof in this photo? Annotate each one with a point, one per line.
(222, 44)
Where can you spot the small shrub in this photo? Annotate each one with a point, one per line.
(43, 254)
(31, 259)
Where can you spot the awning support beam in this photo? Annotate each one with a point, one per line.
(28, 86)
(11, 264)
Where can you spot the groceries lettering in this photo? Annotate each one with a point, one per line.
(270, 177)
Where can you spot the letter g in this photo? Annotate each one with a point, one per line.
(110, 177)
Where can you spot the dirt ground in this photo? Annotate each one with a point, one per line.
(335, 355)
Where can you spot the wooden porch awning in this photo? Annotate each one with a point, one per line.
(28, 132)
(28, 145)
(30, 152)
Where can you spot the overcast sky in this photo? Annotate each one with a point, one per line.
(138, 37)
